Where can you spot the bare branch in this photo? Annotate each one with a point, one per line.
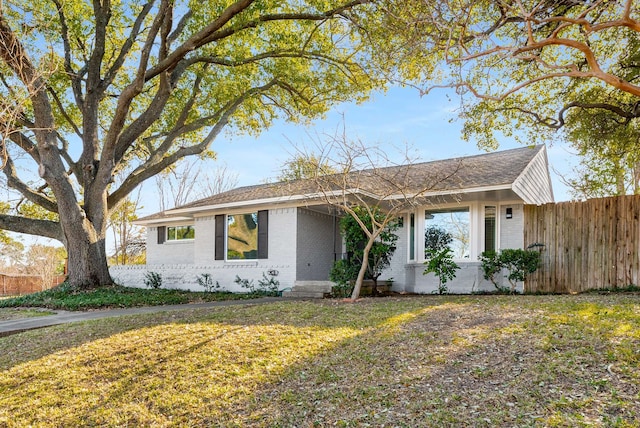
(14, 182)
(46, 228)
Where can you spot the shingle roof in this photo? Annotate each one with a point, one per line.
(500, 168)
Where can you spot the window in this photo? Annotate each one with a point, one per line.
(412, 236)
(242, 236)
(177, 233)
(489, 228)
(450, 226)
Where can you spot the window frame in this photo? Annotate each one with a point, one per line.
(226, 236)
(176, 227)
(477, 230)
(496, 222)
(221, 234)
(421, 217)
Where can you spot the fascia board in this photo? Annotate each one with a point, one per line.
(458, 191)
(263, 201)
(161, 220)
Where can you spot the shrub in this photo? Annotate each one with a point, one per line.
(492, 266)
(267, 286)
(205, 280)
(518, 263)
(356, 239)
(442, 266)
(153, 280)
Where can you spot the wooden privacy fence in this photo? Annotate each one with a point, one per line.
(587, 245)
(13, 285)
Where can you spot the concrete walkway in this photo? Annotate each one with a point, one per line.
(63, 317)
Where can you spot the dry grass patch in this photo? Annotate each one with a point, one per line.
(7, 314)
(428, 361)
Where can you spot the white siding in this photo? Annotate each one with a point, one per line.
(534, 184)
(511, 229)
(205, 240)
(174, 252)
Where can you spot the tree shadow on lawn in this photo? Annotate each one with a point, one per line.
(469, 364)
(433, 360)
(572, 365)
(30, 345)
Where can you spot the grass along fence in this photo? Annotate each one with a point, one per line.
(588, 245)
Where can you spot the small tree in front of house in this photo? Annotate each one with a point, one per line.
(436, 239)
(369, 181)
(382, 248)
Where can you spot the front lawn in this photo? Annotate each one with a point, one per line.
(481, 361)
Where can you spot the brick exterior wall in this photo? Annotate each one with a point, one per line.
(180, 263)
(511, 229)
(300, 248)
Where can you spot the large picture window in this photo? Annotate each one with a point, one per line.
(242, 236)
(178, 233)
(450, 226)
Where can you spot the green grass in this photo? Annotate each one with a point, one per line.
(16, 313)
(66, 298)
(484, 361)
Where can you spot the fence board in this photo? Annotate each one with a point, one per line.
(588, 245)
(13, 285)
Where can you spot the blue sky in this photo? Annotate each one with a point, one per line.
(398, 117)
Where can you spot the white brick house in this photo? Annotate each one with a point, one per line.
(287, 230)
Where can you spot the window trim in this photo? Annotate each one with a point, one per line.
(221, 236)
(422, 223)
(163, 233)
(226, 237)
(496, 218)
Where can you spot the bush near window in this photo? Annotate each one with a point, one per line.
(442, 265)
(518, 263)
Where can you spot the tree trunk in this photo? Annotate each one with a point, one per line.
(374, 286)
(87, 256)
(363, 269)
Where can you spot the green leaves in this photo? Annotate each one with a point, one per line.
(517, 262)
(441, 264)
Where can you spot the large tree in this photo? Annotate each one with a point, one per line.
(519, 64)
(609, 150)
(93, 89)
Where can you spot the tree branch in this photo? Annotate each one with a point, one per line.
(14, 182)
(160, 159)
(31, 226)
(76, 81)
